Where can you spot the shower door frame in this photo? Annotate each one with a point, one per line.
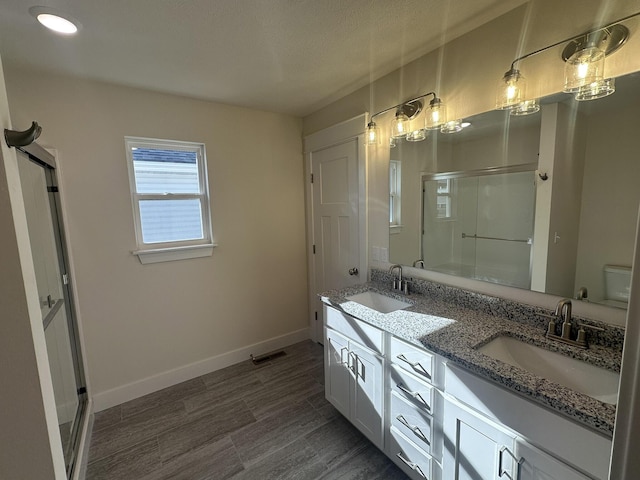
(44, 159)
(498, 170)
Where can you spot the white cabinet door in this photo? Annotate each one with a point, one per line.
(539, 465)
(354, 383)
(366, 401)
(474, 448)
(337, 383)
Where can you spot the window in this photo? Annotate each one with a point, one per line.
(444, 198)
(395, 185)
(170, 198)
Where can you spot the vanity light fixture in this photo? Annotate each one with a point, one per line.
(435, 117)
(584, 55)
(55, 21)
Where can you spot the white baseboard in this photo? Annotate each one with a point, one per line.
(116, 396)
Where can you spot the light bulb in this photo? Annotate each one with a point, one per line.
(54, 20)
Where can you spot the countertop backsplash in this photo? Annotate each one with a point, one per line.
(612, 336)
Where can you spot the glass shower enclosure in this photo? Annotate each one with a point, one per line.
(46, 236)
(480, 224)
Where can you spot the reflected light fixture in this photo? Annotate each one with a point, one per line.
(55, 21)
(435, 117)
(452, 126)
(596, 90)
(584, 55)
(417, 135)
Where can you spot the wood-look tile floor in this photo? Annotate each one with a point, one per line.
(263, 422)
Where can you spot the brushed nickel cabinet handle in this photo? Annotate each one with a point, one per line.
(413, 466)
(414, 428)
(415, 395)
(416, 365)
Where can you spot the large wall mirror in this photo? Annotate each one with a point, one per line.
(547, 202)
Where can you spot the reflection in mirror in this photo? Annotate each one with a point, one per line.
(479, 224)
(554, 197)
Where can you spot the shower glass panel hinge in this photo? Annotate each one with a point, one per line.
(65, 278)
(82, 390)
(53, 189)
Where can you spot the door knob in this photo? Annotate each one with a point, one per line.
(353, 271)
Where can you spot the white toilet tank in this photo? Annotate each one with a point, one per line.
(617, 280)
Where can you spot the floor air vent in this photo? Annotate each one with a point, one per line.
(266, 357)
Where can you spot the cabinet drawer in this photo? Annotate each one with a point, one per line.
(363, 333)
(409, 387)
(412, 421)
(413, 461)
(412, 359)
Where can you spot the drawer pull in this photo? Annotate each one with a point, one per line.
(415, 395)
(415, 365)
(413, 466)
(414, 428)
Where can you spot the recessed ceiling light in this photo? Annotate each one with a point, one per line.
(465, 124)
(56, 21)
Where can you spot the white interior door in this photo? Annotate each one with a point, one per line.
(336, 219)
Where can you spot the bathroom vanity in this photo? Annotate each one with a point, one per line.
(420, 383)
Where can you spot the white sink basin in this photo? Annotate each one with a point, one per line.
(596, 382)
(378, 302)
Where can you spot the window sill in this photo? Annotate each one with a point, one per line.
(395, 229)
(174, 253)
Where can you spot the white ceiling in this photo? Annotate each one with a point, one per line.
(290, 56)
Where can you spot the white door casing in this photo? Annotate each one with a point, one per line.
(336, 213)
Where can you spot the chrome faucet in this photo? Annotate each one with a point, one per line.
(398, 283)
(419, 262)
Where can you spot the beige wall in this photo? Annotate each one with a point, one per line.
(141, 321)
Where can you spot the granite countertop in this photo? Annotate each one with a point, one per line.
(455, 330)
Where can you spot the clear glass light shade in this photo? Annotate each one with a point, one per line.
(400, 125)
(436, 115)
(511, 90)
(392, 142)
(373, 134)
(452, 126)
(417, 135)
(583, 68)
(596, 90)
(525, 108)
